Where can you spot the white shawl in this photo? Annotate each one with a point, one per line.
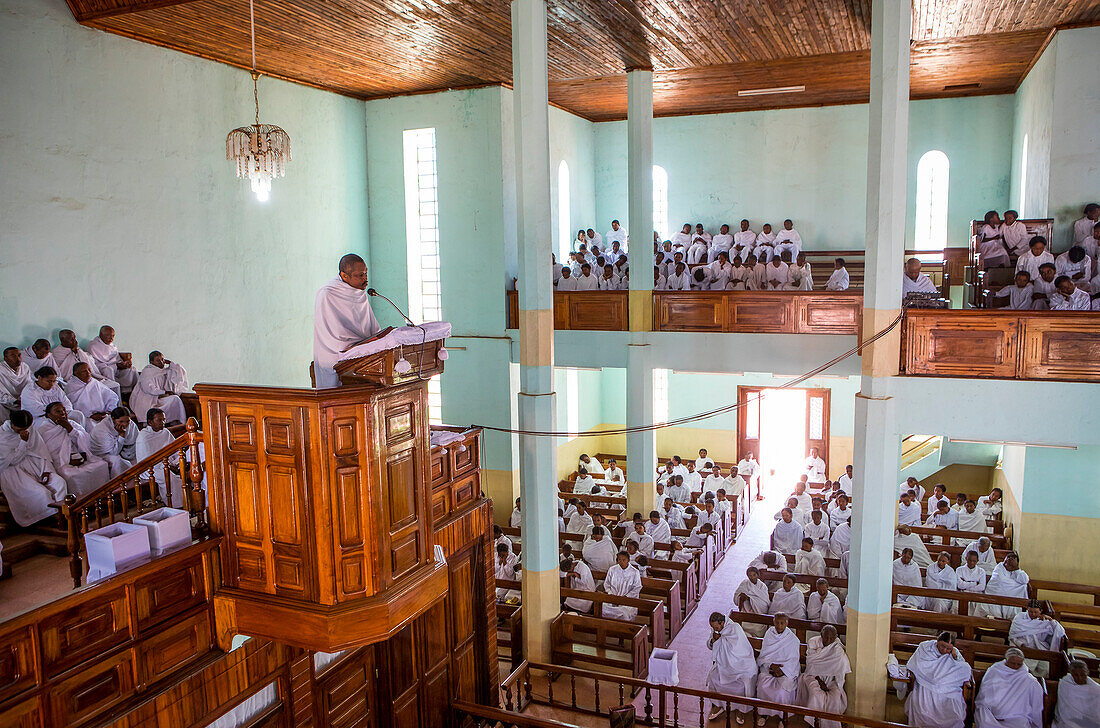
(792, 603)
(1006, 693)
(759, 600)
(1078, 705)
(733, 655)
(342, 316)
(783, 650)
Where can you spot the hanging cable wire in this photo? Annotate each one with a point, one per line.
(720, 410)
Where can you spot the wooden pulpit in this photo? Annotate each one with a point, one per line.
(322, 498)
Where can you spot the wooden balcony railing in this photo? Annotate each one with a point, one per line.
(136, 491)
(1003, 344)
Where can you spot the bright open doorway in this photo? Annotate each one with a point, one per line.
(782, 439)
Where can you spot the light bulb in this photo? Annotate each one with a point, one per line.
(262, 195)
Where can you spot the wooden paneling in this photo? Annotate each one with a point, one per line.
(159, 597)
(777, 312)
(93, 690)
(702, 51)
(346, 692)
(84, 630)
(27, 714)
(16, 663)
(1002, 344)
(686, 311)
(173, 646)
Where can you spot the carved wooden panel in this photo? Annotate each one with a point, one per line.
(464, 457)
(93, 690)
(404, 679)
(173, 646)
(84, 631)
(348, 430)
(961, 343)
(597, 310)
(767, 313)
(441, 503)
(161, 596)
(828, 315)
(346, 692)
(1061, 345)
(467, 489)
(440, 466)
(16, 664)
(27, 714)
(690, 311)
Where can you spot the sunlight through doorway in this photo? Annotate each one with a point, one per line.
(782, 439)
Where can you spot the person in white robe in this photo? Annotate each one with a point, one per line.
(904, 538)
(1035, 256)
(941, 575)
(114, 439)
(1078, 698)
(642, 539)
(990, 241)
(1014, 233)
(907, 573)
(579, 521)
(1007, 580)
(613, 473)
(709, 515)
(798, 515)
(595, 240)
(822, 684)
(909, 511)
(787, 535)
(756, 276)
(15, 376)
(751, 595)
(788, 600)
(679, 280)
(159, 386)
(1009, 695)
(1083, 227)
(983, 550)
(1069, 297)
(39, 355)
(27, 476)
(824, 606)
(971, 577)
(808, 560)
(70, 449)
(1020, 295)
(778, 665)
(817, 528)
(678, 490)
(715, 481)
(939, 673)
(744, 239)
(814, 466)
(69, 353)
(840, 541)
(607, 280)
(90, 396)
(697, 251)
(155, 437)
(720, 243)
(516, 519)
(943, 517)
(617, 234)
(567, 281)
(913, 281)
(46, 390)
(841, 512)
(733, 671)
(580, 579)
(342, 317)
(912, 484)
(701, 536)
(682, 239)
(839, 280)
(112, 365)
(770, 561)
(787, 240)
(1031, 629)
(1043, 288)
(991, 505)
(584, 484)
(939, 493)
(586, 281)
(658, 528)
(1076, 264)
(598, 550)
(673, 514)
(507, 567)
(622, 580)
(970, 519)
(775, 274)
(800, 278)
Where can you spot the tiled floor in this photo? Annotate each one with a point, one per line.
(34, 582)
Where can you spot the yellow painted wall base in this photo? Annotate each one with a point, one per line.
(961, 479)
(502, 487)
(868, 645)
(541, 597)
(1042, 541)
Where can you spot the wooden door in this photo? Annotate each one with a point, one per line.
(817, 423)
(748, 421)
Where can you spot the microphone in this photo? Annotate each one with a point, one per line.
(374, 292)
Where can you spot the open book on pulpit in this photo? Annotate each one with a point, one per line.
(395, 356)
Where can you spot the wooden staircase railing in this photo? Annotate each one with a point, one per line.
(135, 492)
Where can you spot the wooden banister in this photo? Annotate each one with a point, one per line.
(80, 511)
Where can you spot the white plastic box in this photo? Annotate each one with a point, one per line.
(168, 528)
(663, 668)
(115, 546)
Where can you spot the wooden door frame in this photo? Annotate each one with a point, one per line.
(744, 391)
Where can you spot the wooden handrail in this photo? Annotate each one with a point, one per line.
(101, 501)
(919, 445)
(499, 717)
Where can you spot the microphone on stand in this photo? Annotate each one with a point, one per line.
(374, 292)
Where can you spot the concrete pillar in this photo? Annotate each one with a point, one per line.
(641, 447)
(877, 444)
(639, 151)
(537, 455)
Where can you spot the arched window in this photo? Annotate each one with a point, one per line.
(932, 179)
(1023, 178)
(565, 232)
(660, 201)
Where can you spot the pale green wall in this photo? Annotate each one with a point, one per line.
(1062, 482)
(1034, 117)
(968, 453)
(573, 139)
(811, 165)
(118, 204)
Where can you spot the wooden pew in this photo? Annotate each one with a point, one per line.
(977, 651)
(651, 612)
(668, 592)
(510, 631)
(933, 536)
(608, 644)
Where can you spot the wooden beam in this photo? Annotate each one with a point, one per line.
(83, 13)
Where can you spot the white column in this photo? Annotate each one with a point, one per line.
(639, 162)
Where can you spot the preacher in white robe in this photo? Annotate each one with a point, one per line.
(112, 366)
(622, 580)
(779, 648)
(90, 396)
(822, 684)
(70, 451)
(1009, 696)
(159, 385)
(734, 669)
(114, 439)
(27, 476)
(342, 317)
(936, 700)
(1078, 699)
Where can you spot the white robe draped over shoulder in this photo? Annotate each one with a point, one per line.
(783, 650)
(153, 383)
(342, 316)
(622, 582)
(22, 465)
(1009, 698)
(1078, 705)
(734, 669)
(936, 700)
(62, 444)
(830, 664)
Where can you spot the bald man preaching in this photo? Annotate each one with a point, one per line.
(342, 316)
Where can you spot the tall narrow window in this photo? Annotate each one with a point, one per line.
(1023, 178)
(932, 181)
(572, 402)
(565, 231)
(422, 242)
(660, 202)
(660, 395)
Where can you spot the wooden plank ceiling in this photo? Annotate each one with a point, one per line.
(702, 51)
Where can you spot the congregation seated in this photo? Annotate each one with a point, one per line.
(70, 448)
(28, 477)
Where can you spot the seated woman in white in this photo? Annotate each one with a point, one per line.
(991, 244)
(1031, 629)
(159, 385)
(1007, 580)
(1009, 696)
(778, 664)
(622, 580)
(1078, 698)
(579, 578)
(734, 668)
(822, 683)
(824, 606)
(788, 600)
(939, 673)
(907, 573)
(641, 538)
(27, 475)
(941, 575)
(506, 566)
(839, 279)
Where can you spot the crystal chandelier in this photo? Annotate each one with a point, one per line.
(261, 151)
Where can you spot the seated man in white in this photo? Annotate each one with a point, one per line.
(904, 538)
(817, 528)
(580, 520)
(159, 385)
(673, 513)
(941, 575)
(839, 279)
(39, 355)
(715, 480)
(765, 250)
(112, 365)
(154, 437)
(584, 483)
(970, 519)
(752, 596)
(622, 580)
(591, 464)
(613, 473)
(939, 673)
(114, 439)
(1035, 256)
(658, 528)
(682, 239)
(679, 280)
(608, 281)
(787, 535)
(598, 551)
(1014, 233)
(586, 281)
(778, 664)
(983, 551)
(991, 505)
(1075, 264)
(27, 475)
(912, 484)
(720, 243)
(1068, 297)
(734, 669)
(914, 281)
(516, 519)
(1082, 227)
(799, 275)
(808, 560)
(788, 599)
(822, 684)
(788, 240)
(506, 566)
(567, 282)
(68, 353)
(90, 396)
(775, 274)
(1007, 580)
(939, 493)
(840, 512)
(44, 391)
(14, 378)
(1019, 296)
(594, 238)
(907, 573)
(579, 578)
(1009, 696)
(678, 490)
(1034, 630)
(70, 449)
(822, 605)
(1043, 289)
(692, 480)
(697, 251)
(617, 234)
(908, 511)
(1078, 698)
(744, 239)
(943, 517)
(770, 561)
(814, 467)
